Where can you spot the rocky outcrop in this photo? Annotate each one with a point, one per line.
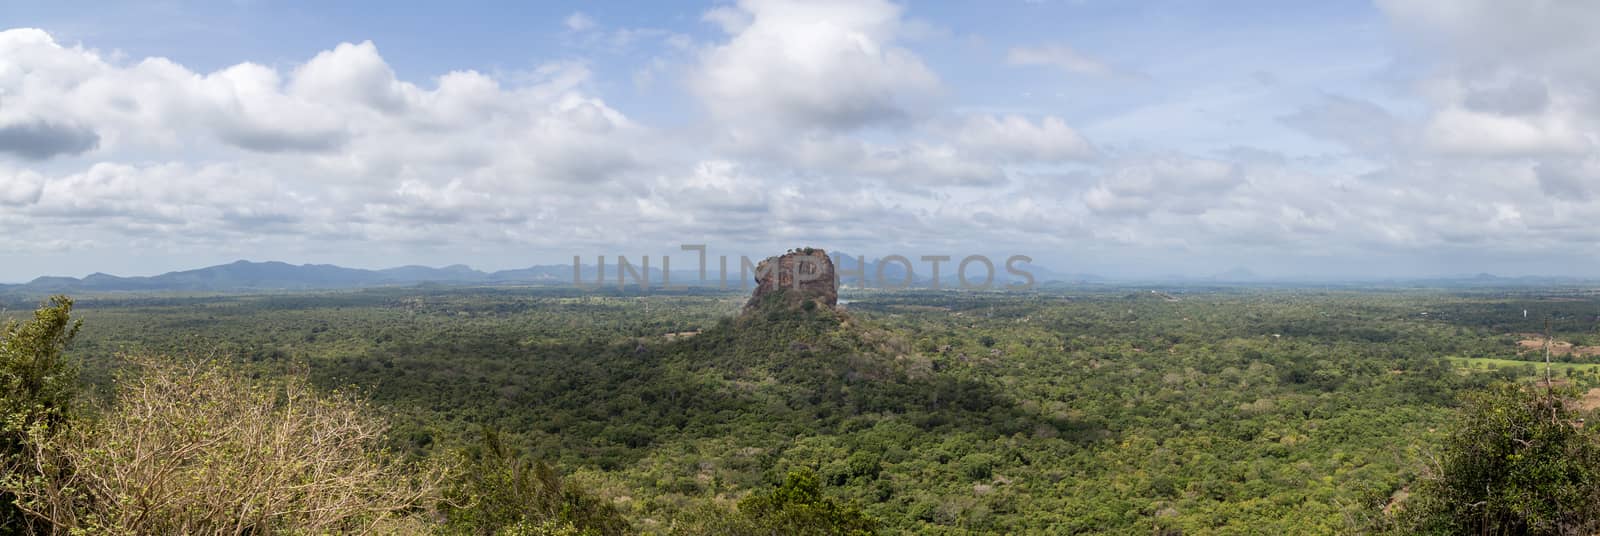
(794, 278)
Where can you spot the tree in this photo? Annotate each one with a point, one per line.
(499, 492)
(36, 386)
(795, 507)
(36, 383)
(798, 507)
(1516, 463)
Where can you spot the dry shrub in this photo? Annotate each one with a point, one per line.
(193, 448)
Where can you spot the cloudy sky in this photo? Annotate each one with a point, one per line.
(1333, 139)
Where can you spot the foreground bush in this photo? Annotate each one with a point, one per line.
(499, 492)
(1517, 462)
(798, 507)
(795, 507)
(36, 388)
(195, 449)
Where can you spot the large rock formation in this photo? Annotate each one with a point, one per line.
(801, 275)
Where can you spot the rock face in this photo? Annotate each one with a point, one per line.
(778, 275)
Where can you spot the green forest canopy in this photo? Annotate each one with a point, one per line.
(1089, 410)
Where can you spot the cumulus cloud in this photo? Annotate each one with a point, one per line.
(828, 93)
(1511, 80)
(351, 74)
(20, 187)
(335, 145)
(831, 64)
(821, 123)
(340, 151)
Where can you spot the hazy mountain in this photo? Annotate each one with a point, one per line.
(273, 275)
(243, 276)
(454, 272)
(247, 275)
(255, 276)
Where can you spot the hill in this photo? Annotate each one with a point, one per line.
(246, 275)
(249, 276)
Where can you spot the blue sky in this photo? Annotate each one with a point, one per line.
(1314, 139)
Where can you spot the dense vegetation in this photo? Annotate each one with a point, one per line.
(1519, 461)
(1067, 411)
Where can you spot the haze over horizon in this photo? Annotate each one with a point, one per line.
(1342, 139)
(685, 268)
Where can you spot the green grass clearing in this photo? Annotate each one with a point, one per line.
(1484, 363)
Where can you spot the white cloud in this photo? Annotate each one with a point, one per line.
(352, 75)
(323, 148)
(831, 64)
(578, 22)
(1466, 132)
(1510, 80)
(825, 91)
(20, 187)
(339, 150)
(1015, 138)
(1061, 57)
(822, 122)
(1170, 184)
(1554, 36)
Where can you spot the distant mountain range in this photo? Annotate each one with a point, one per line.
(243, 276)
(247, 276)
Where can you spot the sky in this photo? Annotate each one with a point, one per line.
(1339, 139)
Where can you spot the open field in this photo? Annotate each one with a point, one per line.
(1557, 366)
(1533, 346)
